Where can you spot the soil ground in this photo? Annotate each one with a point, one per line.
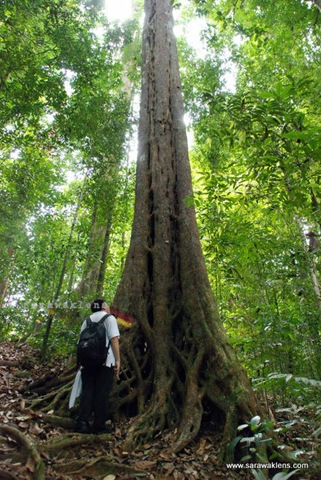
(28, 441)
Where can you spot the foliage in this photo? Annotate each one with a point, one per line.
(288, 388)
(257, 435)
(67, 83)
(65, 115)
(256, 165)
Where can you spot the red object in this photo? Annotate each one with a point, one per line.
(122, 318)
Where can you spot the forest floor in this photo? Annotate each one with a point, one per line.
(31, 448)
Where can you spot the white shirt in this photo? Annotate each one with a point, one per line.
(111, 332)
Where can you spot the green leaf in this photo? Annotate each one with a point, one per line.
(317, 432)
(255, 421)
(232, 445)
(258, 474)
(284, 475)
(242, 427)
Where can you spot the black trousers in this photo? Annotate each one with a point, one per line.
(96, 387)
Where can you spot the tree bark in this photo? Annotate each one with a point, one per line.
(28, 445)
(4, 280)
(104, 256)
(95, 267)
(181, 369)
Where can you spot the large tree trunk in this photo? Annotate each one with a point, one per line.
(180, 368)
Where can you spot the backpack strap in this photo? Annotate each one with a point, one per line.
(89, 321)
(102, 321)
(104, 318)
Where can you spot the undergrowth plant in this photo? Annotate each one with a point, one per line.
(253, 445)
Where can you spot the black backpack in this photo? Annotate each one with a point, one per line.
(91, 349)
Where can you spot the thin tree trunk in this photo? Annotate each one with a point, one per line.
(310, 257)
(95, 266)
(316, 208)
(92, 283)
(52, 309)
(311, 261)
(86, 284)
(3, 290)
(4, 283)
(104, 256)
(315, 282)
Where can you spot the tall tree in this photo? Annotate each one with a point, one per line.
(179, 357)
(70, 112)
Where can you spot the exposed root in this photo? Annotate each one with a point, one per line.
(188, 430)
(100, 466)
(47, 383)
(9, 363)
(29, 447)
(229, 432)
(7, 475)
(51, 400)
(145, 427)
(62, 422)
(75, 441)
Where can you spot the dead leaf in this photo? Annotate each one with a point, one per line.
(178, 475)
(23, 425)
(110, 477)
(138, 454)
(22, 418)
(30, 465)
(35, 429)
(145, 464)
(169, 466)
(147, 446)
(166, 456)
(201, 447)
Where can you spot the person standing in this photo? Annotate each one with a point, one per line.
(97, 383)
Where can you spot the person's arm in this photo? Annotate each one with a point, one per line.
(115, 346)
